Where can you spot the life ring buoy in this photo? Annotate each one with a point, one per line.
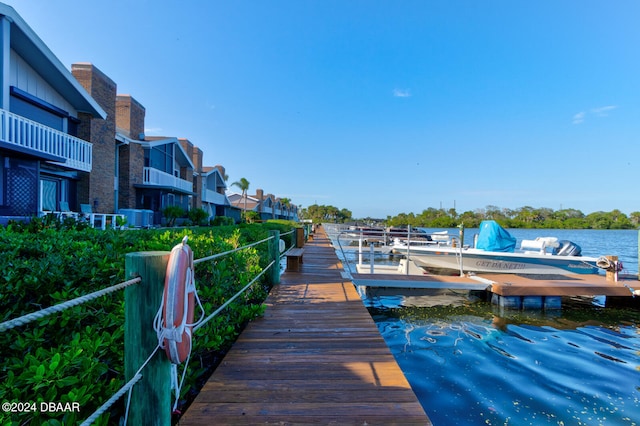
(178, 304)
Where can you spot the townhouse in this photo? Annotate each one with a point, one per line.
(267, 206)
(69, 140)
(46, 154)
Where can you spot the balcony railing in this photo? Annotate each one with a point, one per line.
(25, 133)
(157, 177)
(209, 196)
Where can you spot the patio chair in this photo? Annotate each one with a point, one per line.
(65, 211)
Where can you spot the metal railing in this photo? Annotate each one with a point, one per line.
(374, 243)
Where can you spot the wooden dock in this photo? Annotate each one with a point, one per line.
(316, 357)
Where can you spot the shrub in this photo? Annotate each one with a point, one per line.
(172, 213)
(77, 355)
(251, 216)
(197, 216)
(222, 221)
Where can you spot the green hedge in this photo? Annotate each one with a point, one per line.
(76, 356)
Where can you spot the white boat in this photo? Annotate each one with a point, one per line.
(440, 236)
(495, 252)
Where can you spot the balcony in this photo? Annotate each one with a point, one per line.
(155, 177)
(209, 196)
(32, 136)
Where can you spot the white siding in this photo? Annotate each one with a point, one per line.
(26, 78)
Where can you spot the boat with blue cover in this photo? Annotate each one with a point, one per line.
(495, 251)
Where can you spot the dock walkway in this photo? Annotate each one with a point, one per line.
(315, 357)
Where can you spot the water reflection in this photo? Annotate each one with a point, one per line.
(472, 363)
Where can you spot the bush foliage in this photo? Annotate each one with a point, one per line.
(77, 355)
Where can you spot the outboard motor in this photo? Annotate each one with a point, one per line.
(567, 248)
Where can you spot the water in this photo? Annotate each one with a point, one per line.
(471, 363)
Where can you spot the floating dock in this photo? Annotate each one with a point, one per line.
(511, 290)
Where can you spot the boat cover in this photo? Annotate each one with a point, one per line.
(494, 237)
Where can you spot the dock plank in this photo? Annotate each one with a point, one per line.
(315, 357)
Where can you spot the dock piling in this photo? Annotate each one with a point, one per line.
(151, 396)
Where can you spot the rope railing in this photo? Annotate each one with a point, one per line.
(235, 296)
(137, 377)
(116, 396)
(216, 256)
(25, 319)
(151, 401)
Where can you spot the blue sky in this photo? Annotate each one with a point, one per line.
(381, 107)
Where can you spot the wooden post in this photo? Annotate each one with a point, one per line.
(612, 273)
(274, 254)
(151, 396)
(299, 237)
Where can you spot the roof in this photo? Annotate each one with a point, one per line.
(238, 200)
(32, 49)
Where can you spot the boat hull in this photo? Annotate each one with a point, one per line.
(448, 258)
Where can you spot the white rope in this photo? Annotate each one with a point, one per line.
(104, 407)
(116, 396)
(215, 256)
(217, 311)
(25, 319)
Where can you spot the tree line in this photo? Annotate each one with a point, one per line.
(319, 214)
(523, 217)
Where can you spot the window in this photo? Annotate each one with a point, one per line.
(49, 190)
(160, 157)
(33, 108)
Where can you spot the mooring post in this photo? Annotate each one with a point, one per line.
(360, 249)
(274, 254)
(299, 237)
(371, 257)
(406, 270)
(611, 274)
(151, 396)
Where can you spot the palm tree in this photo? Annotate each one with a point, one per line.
(243, 184)
(286, 203)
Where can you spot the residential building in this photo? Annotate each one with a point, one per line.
(153, 172)
(157, 172)
(68, 140)
(267, 206)
(213, 197)
(46, 151)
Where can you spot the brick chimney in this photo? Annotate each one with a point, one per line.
(97, 189)
(130, 115)
(259, 196)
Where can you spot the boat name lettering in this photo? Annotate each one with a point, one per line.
(499, 265)
(580, 266)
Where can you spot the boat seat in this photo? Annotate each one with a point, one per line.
(538, 245)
